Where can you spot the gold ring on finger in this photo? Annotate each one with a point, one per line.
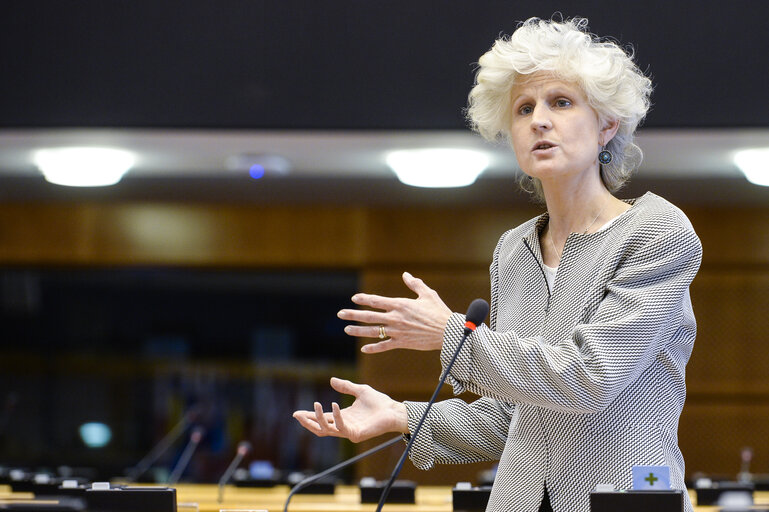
(382, 333)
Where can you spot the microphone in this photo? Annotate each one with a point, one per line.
(310, 479)
(164, 444)
(184, 460)
(746, 456)
(476, 313)
(243, 448)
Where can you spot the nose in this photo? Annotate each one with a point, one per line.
(540, 118)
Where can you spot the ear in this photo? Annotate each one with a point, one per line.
(608, 130)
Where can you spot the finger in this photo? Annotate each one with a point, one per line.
(382, 346)
(321, 418)
(368, 331)
(337, 412)
(363, 315)
(304, 415)
(375, 301)
(347, 387)
(415, 284)
(306, 419)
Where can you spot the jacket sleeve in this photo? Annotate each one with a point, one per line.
(456, 432)
(645, 310)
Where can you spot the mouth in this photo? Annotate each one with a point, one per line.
(542, 146)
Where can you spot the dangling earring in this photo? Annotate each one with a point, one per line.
(605, 156)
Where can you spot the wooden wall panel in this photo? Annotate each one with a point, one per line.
(179, 234)
(44, 233)
(712, 433)
(730, 353)
(734, 237)
(216, 234)
(437, 237)
(728, 374)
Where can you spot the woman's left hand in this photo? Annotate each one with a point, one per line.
(415, 324)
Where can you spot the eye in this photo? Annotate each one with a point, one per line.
(563, 102)
(525, 110)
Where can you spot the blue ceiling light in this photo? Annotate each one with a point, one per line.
(259, 165)
(256, 171)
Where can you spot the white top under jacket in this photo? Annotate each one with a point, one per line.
(580, 383)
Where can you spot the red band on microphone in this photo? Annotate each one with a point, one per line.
(470, 325)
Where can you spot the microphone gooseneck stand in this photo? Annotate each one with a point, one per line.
(476, 313)
(184, 460)
(243, 448)
(310, 479)
(159, 449)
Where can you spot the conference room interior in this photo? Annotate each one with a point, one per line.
(205, 283)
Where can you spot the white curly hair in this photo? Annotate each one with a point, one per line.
(614, 85)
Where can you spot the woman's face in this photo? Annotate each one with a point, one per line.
(556, 134)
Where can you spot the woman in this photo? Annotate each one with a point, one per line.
(580, 372)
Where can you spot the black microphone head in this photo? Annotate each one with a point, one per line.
(477, 311)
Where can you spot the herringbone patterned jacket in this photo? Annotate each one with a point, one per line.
(581, 382)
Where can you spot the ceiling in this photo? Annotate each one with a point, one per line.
(333, 86)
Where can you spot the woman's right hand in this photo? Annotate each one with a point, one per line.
(371, 414)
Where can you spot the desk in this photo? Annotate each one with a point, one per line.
(346, 499)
